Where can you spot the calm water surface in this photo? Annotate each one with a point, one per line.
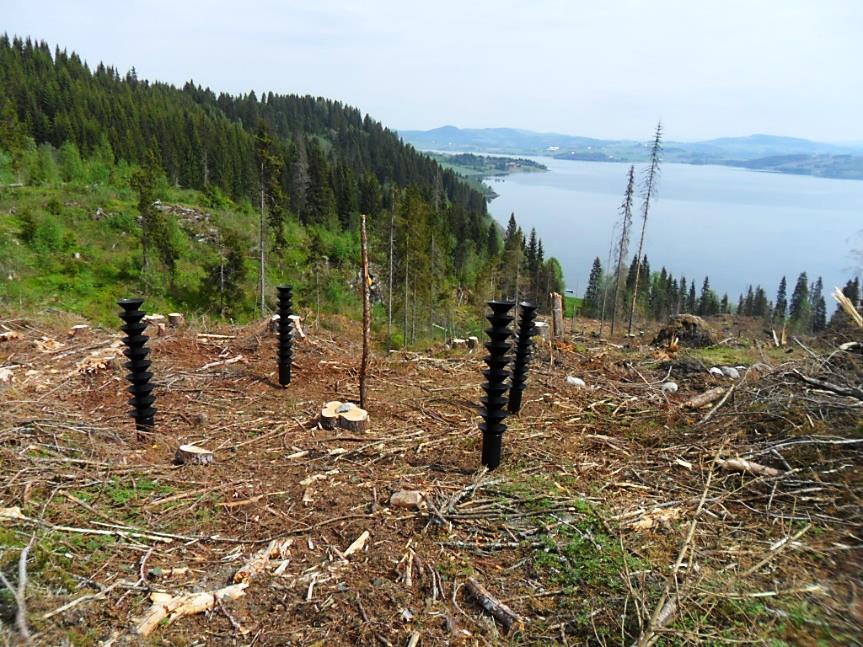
(734, 225)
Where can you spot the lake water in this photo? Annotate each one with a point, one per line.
(736, 226)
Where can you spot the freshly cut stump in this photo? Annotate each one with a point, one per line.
(193, 455)
(175, 319)
(329, 417)
(344, 415)
(355, 419)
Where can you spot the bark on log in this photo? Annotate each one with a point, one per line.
(707, 397)
(506, 616)
(193, 455)
(171, 608)
(260, 561)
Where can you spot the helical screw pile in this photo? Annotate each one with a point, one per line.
(139, 376)
(495, 387)
(285, 352)
(523, 351)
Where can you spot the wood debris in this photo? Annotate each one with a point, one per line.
(747, 467)
(501, 612)
(278, 549)
(170, 608)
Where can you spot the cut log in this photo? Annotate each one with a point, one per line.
(472, 342)
(458, 343)
(9, 335)
(274, 324)
(176, 319)
(169, 608)
(193, 455)
(499, 611)
(154, 319)
(707, 397)
(260, 561)
(747, 467)
(329, 415)
(161, 329)
(355, 419)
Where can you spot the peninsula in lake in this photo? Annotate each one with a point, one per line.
(757, 152)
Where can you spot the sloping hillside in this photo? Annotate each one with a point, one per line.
(610, 520)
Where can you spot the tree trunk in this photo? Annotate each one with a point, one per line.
(261, 241)
(366, 311)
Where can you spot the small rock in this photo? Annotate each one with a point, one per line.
(407, 499)
(730, 371)
(669, 387)
(575, 381)
(715, 370)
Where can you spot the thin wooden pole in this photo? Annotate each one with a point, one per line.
(367, 319)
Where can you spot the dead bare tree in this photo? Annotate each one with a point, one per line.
(366, 310)
(648, 193)
(623, 241)
(607, 282)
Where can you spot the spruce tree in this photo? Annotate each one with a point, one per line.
(760, 306)
(691, 304)
(749, 303)
(779, 310)
(592, 294)
(800, 311)
(819, 307)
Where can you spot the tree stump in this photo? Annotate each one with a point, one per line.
(329, 417)
(78, 330)
(344, 415)
(473, 342)
(193, 455)
(355, 419)
(296, 328)
(175, 319)
(557, 314)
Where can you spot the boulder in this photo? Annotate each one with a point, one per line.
(688, 330)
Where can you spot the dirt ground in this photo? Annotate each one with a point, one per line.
(609, 522)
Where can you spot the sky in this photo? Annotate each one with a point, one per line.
(611, 69)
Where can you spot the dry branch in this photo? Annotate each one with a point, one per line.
(747, 467)
(171, 608)
(707, 397)
(506, 616)
(260, 561)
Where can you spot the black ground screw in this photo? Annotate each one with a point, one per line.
(136, 350)
(495, 388)
(523, 348)
(285, 352)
